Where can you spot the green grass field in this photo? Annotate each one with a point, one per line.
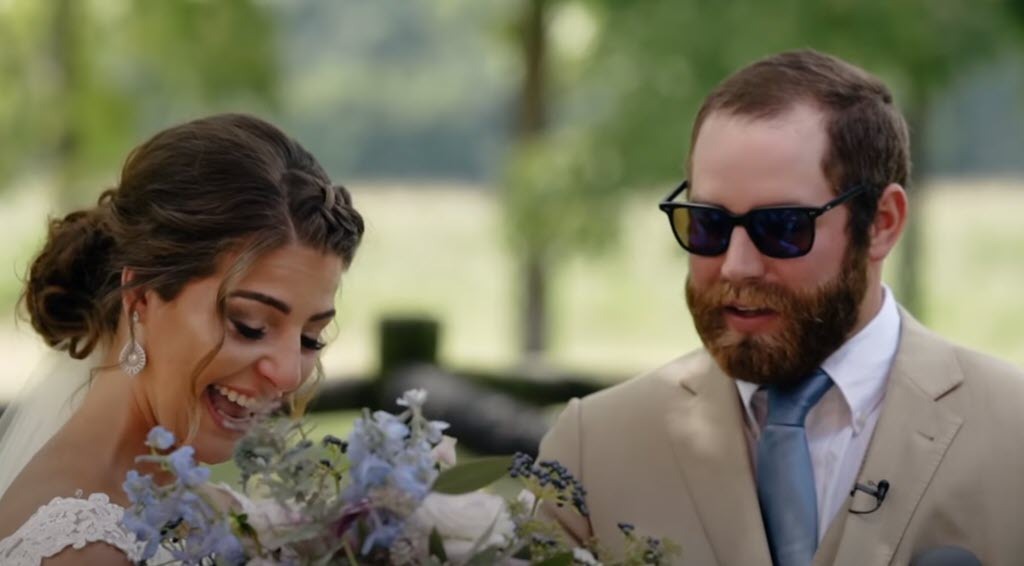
(440, 252)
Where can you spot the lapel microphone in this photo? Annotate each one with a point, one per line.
(878, 491)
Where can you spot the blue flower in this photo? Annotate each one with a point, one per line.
(183, 466)
(143, 531)
(394, 430)
(227, 546)
(358, 441)
(160, 438)
(160, 513)
(217, 540)
(385, 531)
(140, 488)
(192, 509)
(372, 471)
(435, 429)
(412, 480)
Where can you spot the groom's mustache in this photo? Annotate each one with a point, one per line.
(760, 295)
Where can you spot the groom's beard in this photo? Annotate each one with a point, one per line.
(812, 325)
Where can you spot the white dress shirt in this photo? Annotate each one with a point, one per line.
(839, 427)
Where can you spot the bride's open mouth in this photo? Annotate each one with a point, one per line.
(233, 410)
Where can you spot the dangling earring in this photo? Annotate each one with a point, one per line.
(133, 357)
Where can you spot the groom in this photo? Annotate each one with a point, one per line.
(820, 423)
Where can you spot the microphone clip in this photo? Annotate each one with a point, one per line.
(878, 491)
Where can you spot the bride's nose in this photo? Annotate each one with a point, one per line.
(282, 366)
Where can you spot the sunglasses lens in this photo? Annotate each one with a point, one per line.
(782, 233)
(702, 231)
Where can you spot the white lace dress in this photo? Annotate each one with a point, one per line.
(74, 522)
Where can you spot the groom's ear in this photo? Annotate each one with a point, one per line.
(133, 297)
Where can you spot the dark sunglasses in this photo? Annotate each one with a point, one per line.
(778, 231)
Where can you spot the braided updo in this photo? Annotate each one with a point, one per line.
(186, 197)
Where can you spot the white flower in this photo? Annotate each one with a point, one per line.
(444, 452)
(526, 498)
(583, 556)
(271, 519)
(462, 520)
(413, 398)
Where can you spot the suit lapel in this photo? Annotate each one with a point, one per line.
(912, 436)
(709, 443)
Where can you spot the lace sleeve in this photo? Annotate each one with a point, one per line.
(69, 521)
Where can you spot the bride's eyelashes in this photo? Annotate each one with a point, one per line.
(247, 331)
(251, 333)
(313, 344)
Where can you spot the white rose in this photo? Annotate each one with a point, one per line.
(270, 519)
(583, 556)
(462, 520)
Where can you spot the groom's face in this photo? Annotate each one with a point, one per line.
(764, 319)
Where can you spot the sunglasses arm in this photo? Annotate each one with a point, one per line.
(672, 196)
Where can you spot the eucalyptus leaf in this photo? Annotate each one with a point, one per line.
(472, 475)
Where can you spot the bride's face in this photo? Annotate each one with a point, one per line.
(272, 336)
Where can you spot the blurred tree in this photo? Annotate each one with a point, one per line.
(530, 127)
(399, 90)
(623, 124)
(85, 79)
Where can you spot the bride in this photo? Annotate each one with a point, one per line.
(192, 296)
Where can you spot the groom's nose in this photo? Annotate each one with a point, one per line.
(742, 261)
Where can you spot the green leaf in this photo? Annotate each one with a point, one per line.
(472, 475)
(562, 559)
(437, 546)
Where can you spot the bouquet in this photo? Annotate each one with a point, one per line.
(390, 493)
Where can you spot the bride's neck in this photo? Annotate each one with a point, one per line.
(109, 429)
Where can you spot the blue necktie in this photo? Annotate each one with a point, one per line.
(785, 478)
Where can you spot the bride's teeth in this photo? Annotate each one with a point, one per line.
(238, 398)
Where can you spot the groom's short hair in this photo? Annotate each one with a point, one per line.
(868, 139)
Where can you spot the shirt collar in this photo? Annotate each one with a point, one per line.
(859, 368)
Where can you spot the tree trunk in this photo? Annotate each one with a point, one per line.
(532, 117)
(535, 319)
(66, 138)
(908, 269)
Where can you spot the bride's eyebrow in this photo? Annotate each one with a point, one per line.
(277, 303)
(262, 298)
(322, 316)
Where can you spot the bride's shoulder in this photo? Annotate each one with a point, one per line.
(79, 529)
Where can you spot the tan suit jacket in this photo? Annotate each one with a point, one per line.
(667, 452)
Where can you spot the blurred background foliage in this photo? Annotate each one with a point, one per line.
(508, 153)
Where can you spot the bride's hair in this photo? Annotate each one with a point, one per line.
(186, 197)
